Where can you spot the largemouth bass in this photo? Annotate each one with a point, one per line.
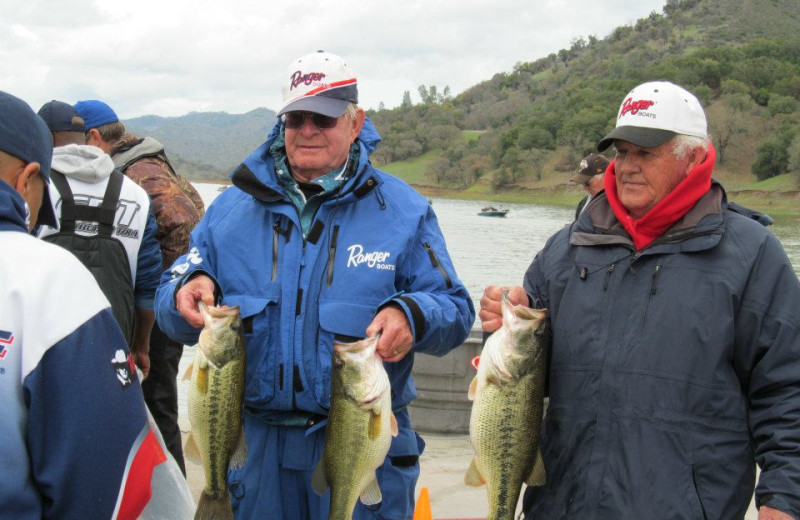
(507, 408)
(360, 428)
(216, 397)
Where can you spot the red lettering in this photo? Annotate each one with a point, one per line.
(629, 105)
(298, 78)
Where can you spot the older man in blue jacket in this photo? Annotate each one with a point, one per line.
(313, 243)
(675, 364)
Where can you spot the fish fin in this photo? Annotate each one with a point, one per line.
(319, 480)
(393, 425)
(210, 508)
(371, 494)
(374, 426)
(537, 476)
(201, 382)
(239, 454)
(188, 374)
(191, 451)
(473, 389)
(473, 476)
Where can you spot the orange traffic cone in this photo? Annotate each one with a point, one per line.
(423, 509)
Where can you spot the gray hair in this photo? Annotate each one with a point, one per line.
(683, 144)
(351, 111)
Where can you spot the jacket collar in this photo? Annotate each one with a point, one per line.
(699, 229)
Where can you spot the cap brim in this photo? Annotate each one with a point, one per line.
(47, 215)
(644, 137)
(327, 106)
(580, 179)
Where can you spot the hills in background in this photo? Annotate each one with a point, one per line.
(524, 130)
(206, 145)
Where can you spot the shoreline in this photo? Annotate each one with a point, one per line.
(783, 203)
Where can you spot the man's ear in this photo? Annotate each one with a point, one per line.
(29, 171)
(358, 124)
(696, 156)
(93, 137)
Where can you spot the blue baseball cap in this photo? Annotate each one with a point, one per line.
(61, 117)
(25, 135)
(95, 113)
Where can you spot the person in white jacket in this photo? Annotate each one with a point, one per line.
(87, 171)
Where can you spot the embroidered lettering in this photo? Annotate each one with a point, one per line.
(629, 105)
(299, 78)
(374, 259)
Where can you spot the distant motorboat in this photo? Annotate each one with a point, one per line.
(222, 187)
(490, 211)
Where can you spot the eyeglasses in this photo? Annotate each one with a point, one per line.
(295, 120)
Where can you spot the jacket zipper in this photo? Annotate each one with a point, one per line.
(656, 272)
(608, 276)
(275, 230)
(435, 262)
(653, 289)
(332, 254)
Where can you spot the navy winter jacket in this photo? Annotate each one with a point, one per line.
(673, 370)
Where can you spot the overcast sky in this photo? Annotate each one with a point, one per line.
(171, 57)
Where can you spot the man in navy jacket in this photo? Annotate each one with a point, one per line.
(675, 363)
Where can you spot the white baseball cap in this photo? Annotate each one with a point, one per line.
(319, 82)
(655, 112)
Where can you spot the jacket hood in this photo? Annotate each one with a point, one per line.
(13, 209)
(82, 162)
(130, 147)
(253, 177)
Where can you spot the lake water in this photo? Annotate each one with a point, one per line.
(492, 250)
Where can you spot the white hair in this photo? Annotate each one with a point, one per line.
(351, 110)
(683, 144)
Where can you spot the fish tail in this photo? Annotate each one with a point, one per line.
(211, 508)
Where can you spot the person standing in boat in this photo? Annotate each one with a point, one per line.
(590, 176)
(315, 245)
(675, 361)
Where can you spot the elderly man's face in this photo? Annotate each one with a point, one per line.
(314, 151)
(647, 175)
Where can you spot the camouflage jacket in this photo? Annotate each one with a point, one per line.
(176, 204)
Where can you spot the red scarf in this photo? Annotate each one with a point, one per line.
(668, 210)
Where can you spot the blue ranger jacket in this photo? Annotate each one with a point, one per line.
(377, 241)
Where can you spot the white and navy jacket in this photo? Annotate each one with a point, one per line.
(75, 436)
(87, 169)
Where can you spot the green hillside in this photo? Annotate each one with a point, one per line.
(206, 145)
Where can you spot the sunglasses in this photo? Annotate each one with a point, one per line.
(295, 120)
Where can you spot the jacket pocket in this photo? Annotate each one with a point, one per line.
(346, 320)
(260, 321)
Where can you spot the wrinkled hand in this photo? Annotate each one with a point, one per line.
(768, 513)
(490, 313)
(187, 301)
(396, 338)
(142, 360)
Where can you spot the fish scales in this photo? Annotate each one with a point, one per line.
(216, 397)
(508, 404)
(360, 428)
(351, 453)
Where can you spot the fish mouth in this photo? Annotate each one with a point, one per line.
(219, 312)
(372, 400)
